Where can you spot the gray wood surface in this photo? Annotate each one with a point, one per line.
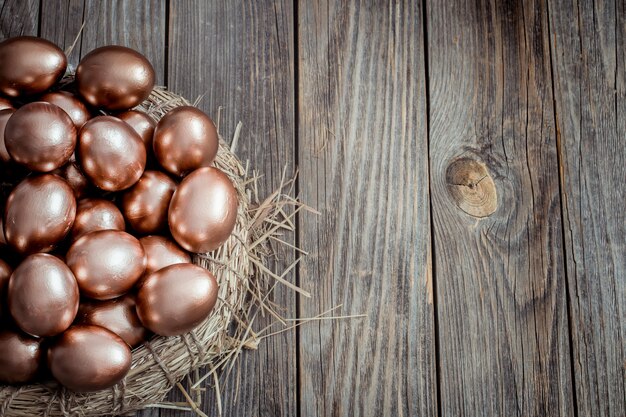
(363, 157)
(467, 159)
(500, 279)
(590, 92)
(239, 55)
(19, 17)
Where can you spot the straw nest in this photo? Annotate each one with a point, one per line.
(161, 363)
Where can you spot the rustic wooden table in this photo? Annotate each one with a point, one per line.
(468, 159)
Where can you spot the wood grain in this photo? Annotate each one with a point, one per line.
(503, 332)
(18, 17)
(590, 92)
(363, 161)
(240, 55)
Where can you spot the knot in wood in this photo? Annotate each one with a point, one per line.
(471, 187)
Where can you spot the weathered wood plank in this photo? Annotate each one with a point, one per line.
(138, 25)
(363, 160)
(61, 21)
(502, 313)
(18, 17)
(589, 61)
(240, 55)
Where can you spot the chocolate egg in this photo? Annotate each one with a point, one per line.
(96, 214)
(111, 153)
(185, 139)
(106, 263)
(176, 299)
(142, 123)
(29, 65)
(20, 357)
(75, 109)
(40, 136)
(39, 213)
(71, 173)
(5, 104)
(203, 210)
(43, 295)
(114, 78)
(89, 358)
(118, 316)
(162, 252)
(4, 118)
(145, 205)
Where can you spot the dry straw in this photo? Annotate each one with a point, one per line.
(241, 266)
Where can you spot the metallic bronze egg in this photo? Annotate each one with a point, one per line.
(106, 263)
(111, 153)
(20, 357)
(185, 139)
(71, 104)
(5, 275)
(39, 213)
(145, 205)
(29, 65)
(40, 136)
(3, 240)
(4, 118)
(114, 78)
(5, 104)
(203, 210)
(176, 299)
(71, 173)
(142, 123)
(43, 295)
(95, 214)
(162, 252)
(118, 316)
(89, 358)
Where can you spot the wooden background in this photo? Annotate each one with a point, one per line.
(468, 159)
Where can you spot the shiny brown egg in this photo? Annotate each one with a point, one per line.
(5, 275)
(40, 136)
(118, 316)
(89, 358)
(39, 213)
(142, 123)
(203, 210)
(111, 153)
(5, 114)
(145, 205)
(75, 109)
(162, 252)
(71, 173)
(43, 295)
(29, 65)
(185, 139)
(5, 104)
(20, 357)
(96, 214)
(114, 78)
(3, 240)
(106, 263)
(176, 299)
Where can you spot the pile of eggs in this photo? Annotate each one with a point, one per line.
(102, 209)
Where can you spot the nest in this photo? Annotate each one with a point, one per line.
(161, 363)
